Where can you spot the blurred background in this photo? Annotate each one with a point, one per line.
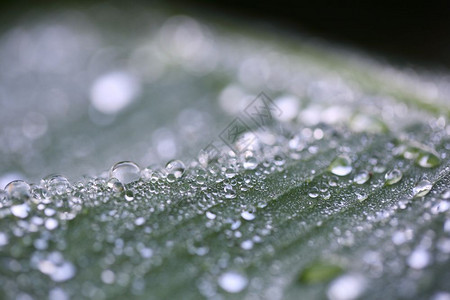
(86, 84)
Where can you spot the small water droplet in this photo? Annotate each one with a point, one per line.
(210, 215)
(247, 245)
(56, 184)
(314, 192)
(362, 177)
(422, 188)
(362, 196)
(175, 169)
(341, 166)
(419, 259)
(230, 173)
(346, 287)
(445, 194)
(20, 210)
(232, 282)
(279, 160)
(129, 195)
(250, 163)
(393, 176)
(247, 215)
(115, 185)
(125, 172)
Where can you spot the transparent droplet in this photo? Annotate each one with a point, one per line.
(247, 245)
(129, 196)
(230, 173)
(393, 176)
(250, 163)
(56, 184)
(232, 282)
(445, 194)
(175, 169)
(125, 172)
(18, 190)
(56, 267)
(362, 177)
(247, 215)
(346, 287)
(362, 196)
(279, 160)
(313, 193)
(210, 215)
(422, 188)
(20, 210)
(419, 259)
(115, 185)
(230, 193)
(341, 166)
(427, 160)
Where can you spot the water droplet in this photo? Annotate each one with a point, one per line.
(279, 160)
(115, 185)
(419, 259)
(210, 215)
(362, 196)
(362, 177)
(247, 215)
(4, 240)
(18, 190)
(250, 163)
(230, 173)
(129, 195)
(20, 210)
(445, 194)
(175, 169)
(56, 267)
(393, 176)
(232, 282)
(427, 160)
(341, 166)
(108, 276)
(314, 192)
(51, 224)
(56, 184)
(247, 245)
(125, 172)
(346, 287)
(320, 272)
(422, 188)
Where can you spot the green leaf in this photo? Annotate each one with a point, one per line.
(347, 198)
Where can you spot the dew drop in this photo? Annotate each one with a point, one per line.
(341, 166)
(279, 160)
(422, 188)
(56, 184)
(230, 173)
(125, 172)
(129, 196)
(18, 190)
(362, 177)
(314, 193)
(20, 210)
(115, 185)
(250, 163)
(232, 282)
(247, 245)
(249, 216)
(210, 215)
(419, 259)
(346, 287)
(427, 160)
(393, 176)
(175, 169)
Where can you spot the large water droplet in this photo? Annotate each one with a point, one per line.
(427, 160)
(18, 190)
(341, 166)
(175, 169)
(393, 176)
(250, 163)
(422, 188)
(247, 215)
(232, 282)
(125, 172)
